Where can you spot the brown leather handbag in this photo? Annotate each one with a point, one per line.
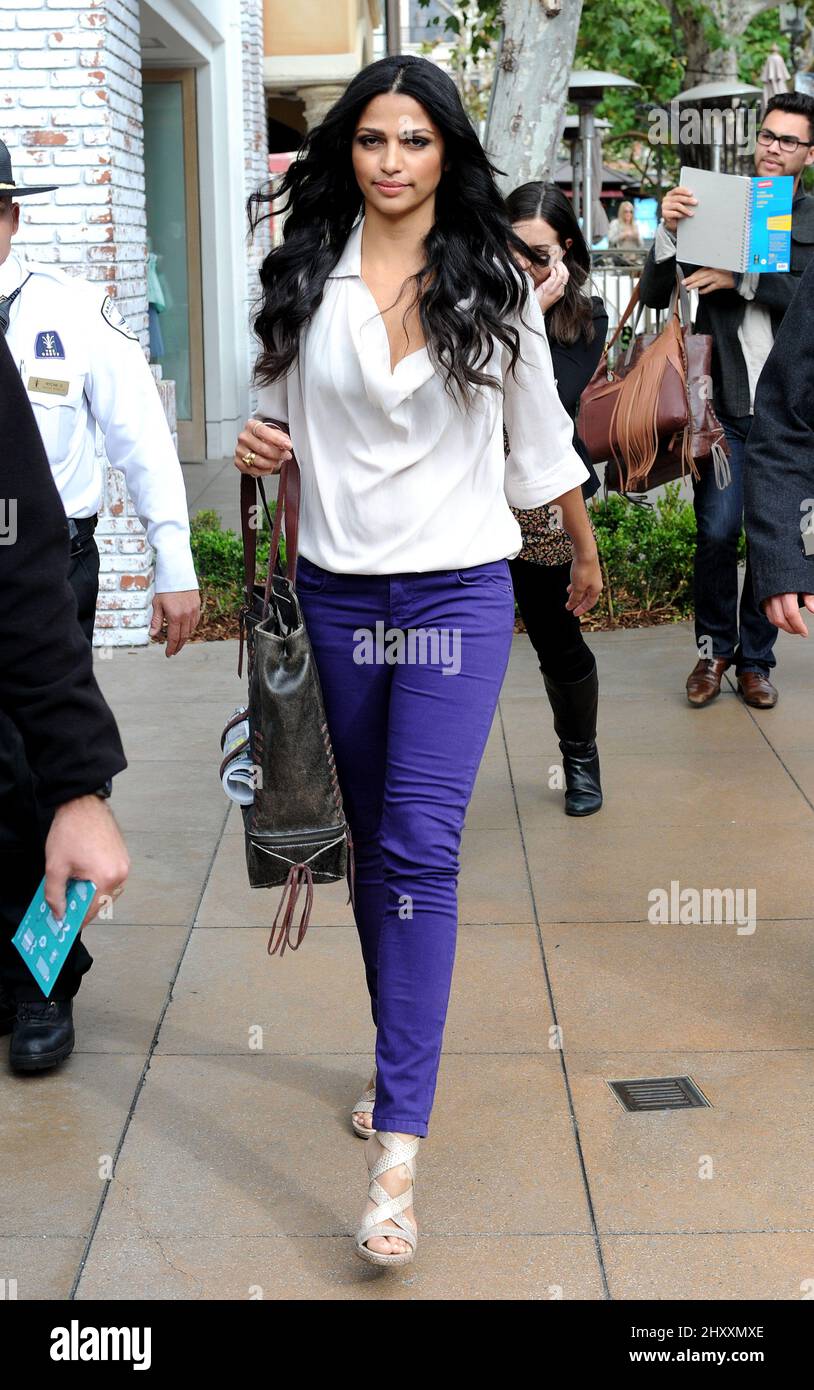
(651, 417)
(296, 833)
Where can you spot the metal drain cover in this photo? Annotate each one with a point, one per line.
(658, 1093)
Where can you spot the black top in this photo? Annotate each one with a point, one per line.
(574, 365)
(779, 471)
(47, 685)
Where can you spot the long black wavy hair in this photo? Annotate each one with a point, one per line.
(469, 249)
(572, 316)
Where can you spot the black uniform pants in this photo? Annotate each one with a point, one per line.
(556, 635)
(24, 824)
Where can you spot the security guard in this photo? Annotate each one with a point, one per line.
(81, 366)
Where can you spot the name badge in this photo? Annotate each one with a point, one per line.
(48, 386)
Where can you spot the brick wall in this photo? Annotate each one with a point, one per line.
(70, 112)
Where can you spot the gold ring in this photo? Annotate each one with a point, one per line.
(249, 458)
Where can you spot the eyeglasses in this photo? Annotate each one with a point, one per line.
(789, 144)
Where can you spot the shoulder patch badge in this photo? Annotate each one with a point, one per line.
(49, 344)
(112, 316)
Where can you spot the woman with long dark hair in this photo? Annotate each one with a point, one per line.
(577, 324)
(392, 345)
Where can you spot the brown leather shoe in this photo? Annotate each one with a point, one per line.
(704, 680)
(757, 689)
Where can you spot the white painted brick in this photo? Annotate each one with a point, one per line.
(130, 564)
(44, 60)
(60, 19)
(74, 40)
(34, 234)
(63, 177)
(43, 97)
(86, 194)
(81, 155)
(82, 116)
(69, 77)
(47, 214)
(23, 79)
(32, 120)
(81, 234)
(95, 20)
(27, 41)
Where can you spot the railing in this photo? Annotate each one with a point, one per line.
(613, 278)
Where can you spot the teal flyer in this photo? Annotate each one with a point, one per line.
(42, 940)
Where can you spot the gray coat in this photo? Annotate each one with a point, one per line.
(721, 312)
(779, 474)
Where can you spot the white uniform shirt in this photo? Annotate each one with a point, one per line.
(395, 475)
(82, 366)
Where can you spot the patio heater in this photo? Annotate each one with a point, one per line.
(587, 89)
(793, 25)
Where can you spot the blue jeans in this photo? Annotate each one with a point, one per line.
(408, 736)
(719, 518)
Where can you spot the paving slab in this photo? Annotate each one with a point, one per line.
(224, 1078)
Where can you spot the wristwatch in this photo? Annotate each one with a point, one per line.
(104, 791)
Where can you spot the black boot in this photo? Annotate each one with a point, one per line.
(574, 704)
(43, 1034)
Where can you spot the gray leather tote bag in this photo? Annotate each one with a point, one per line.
(296, 833)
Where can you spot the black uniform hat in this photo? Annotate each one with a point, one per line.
(8, 189)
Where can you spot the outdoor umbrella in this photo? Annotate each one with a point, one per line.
(774, 75)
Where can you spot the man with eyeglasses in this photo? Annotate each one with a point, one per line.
(743, 314)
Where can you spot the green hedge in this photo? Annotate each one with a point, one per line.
(647, 554)
(218, 557)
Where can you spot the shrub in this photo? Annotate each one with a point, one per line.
(647, 555)
(218, 557)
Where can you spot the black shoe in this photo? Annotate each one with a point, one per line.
(43, 1034)
(8, 1012)
(575, 705)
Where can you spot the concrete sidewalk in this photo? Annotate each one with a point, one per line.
(219, 1080)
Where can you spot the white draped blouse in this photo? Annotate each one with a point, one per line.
(396, 476)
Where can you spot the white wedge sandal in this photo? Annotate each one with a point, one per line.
(389, 1208)
(364, 1105)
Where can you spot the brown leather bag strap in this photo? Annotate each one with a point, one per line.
(288, 503)
(248, 504)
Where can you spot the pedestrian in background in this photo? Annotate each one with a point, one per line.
(577, 325)
(743, 313)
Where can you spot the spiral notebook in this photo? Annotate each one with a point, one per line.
(740, 223)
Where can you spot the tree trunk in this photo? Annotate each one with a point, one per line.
(705, 64)
(530, 89)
